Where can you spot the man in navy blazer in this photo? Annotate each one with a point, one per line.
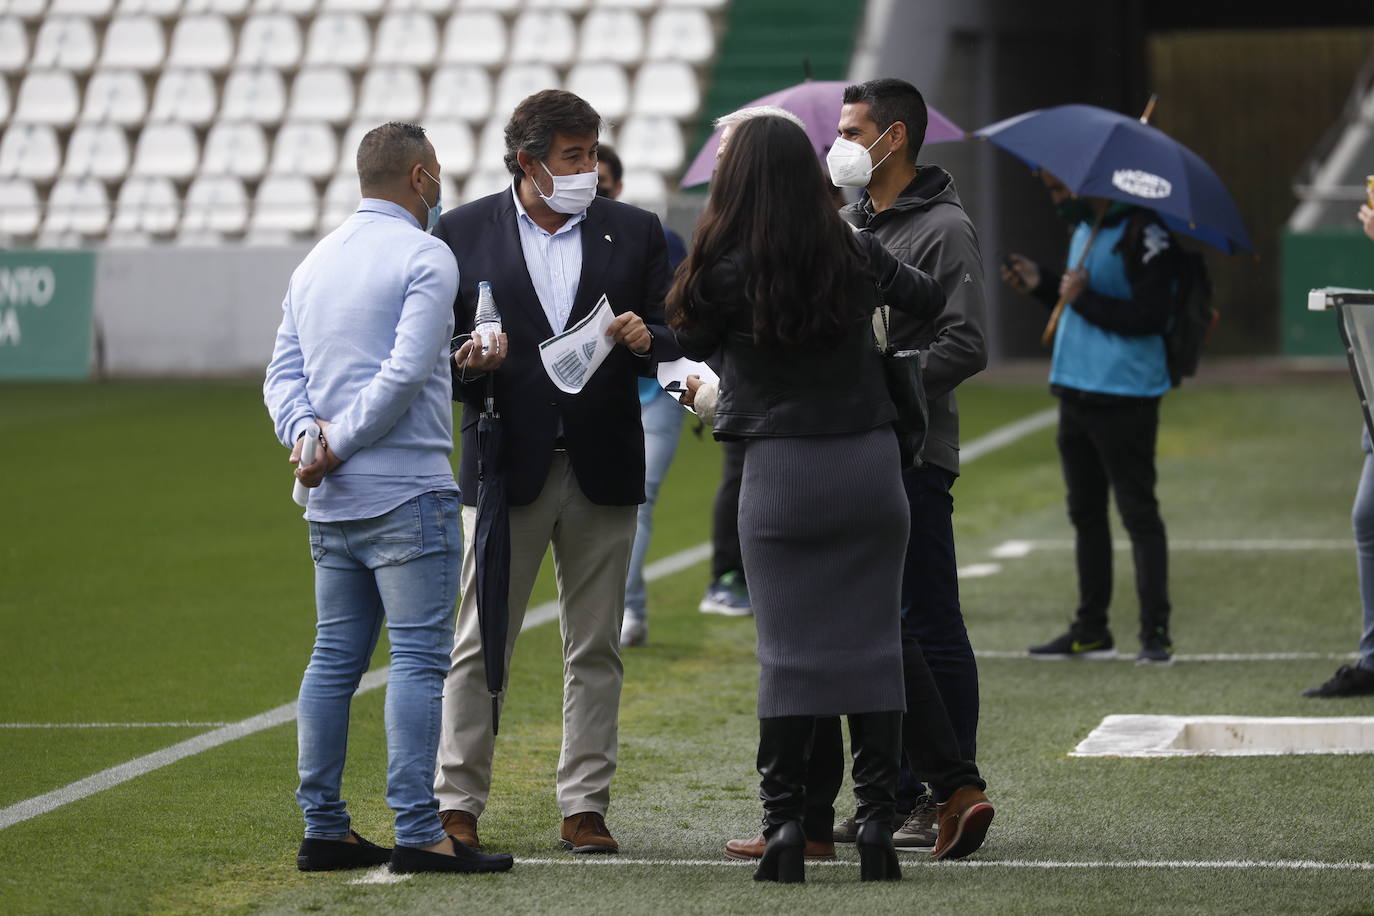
(574, 463)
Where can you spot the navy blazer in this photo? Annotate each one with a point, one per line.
(623, 257)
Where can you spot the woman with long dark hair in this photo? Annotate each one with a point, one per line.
(785, 291)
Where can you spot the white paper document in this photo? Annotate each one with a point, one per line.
(673, 376)
(570, 358)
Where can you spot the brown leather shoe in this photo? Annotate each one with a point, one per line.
(586, 832)
(752, 848)
(461, 826)
(964, 821)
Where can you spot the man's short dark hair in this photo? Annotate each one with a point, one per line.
(607, 154)
(889, 101)
(387, 153)
(535, 121)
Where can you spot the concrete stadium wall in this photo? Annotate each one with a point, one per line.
(189, 311)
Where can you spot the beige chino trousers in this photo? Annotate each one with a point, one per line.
(591, 555)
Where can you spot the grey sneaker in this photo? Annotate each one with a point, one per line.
(634, 631)
(918, 831)
(846, 831)
(727, 595)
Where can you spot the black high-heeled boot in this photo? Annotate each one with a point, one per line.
(877, 742)
(784, 746)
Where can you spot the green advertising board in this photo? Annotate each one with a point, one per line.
(1322, 257)
(45, 314)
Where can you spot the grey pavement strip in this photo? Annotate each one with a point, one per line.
(684, 559)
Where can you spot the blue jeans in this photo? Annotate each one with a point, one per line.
(401, 567)
(1363, 516)
(662, 426)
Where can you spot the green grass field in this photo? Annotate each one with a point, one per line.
(154, 570)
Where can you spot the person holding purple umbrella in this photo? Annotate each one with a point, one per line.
(1109, 371)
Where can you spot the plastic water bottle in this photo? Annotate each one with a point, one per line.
(488, 323)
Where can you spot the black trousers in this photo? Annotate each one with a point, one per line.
(725, 551)
(1110, 447)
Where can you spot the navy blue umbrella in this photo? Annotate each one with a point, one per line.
(492, 553)
(1100, 153)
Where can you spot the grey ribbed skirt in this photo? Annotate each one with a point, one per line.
(823, 523)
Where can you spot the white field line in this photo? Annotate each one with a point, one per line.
(1200, 657)
(535, 616)
(382, 876)
(1014, 549)
(112, 724)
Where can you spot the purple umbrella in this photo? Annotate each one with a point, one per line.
(818, 104)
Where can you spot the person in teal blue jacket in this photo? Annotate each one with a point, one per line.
(1109, 372)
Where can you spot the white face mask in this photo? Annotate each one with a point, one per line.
(571, 193)
(850, 164)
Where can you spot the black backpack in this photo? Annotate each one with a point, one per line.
(1193, 319)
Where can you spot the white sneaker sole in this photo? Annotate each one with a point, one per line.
(725, 610)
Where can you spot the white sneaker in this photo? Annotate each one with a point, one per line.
(634, 631)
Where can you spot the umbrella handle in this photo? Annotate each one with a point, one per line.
(1047, 337)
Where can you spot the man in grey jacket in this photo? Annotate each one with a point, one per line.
(915, 212)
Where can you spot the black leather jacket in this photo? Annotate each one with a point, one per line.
(838, 387)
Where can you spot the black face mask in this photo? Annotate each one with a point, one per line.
(1074, 210)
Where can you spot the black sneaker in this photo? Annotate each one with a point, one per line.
(1074, 644)
(1155, 650)
(336, 855)
(408, 860)
(1348, 681)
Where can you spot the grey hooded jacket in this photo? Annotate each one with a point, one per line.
(927, 228)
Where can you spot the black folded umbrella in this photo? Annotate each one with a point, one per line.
(492, 550)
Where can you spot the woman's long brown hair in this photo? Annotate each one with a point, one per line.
(770, 207)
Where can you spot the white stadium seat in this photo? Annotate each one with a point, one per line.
(202, 42)
(477, 37)
(14, 45)
(235, 149)
(391, 94)
(4, 101)
(254, 95)
(423, 6)
(93, 9)
(66, 43)
(339, 39)
(459, 92)
(666, 89)
(322, 94)
(25, 9)
(117, 96)
(285, 204)
(366, 7)
(409, 38)
(231, 8)
(699, 4)
(270, 40)
(77, 205)
(348, 147)
(162, 9)
(645, 188)
(214, 204)
(166, 151)
(485, 183)
(185, 95)
(98, 151)
(29, 151)
(146, 205)
(308, 149)
(134, 42)
(572, 6)
(652, 143)
(341, 198)
(491, 147)
(291, 7)
(454, 146)
(504, 6)
(543, 36)
(519, 81)
(681, 34)
(604, 86)
(47, 97)
(616, 35)
(629, 4)
(19, 208)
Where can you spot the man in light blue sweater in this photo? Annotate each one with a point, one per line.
(362, 351)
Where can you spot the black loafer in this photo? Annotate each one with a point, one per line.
(410, 860)
(335, 855)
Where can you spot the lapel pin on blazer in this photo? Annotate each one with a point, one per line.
(608, 238)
